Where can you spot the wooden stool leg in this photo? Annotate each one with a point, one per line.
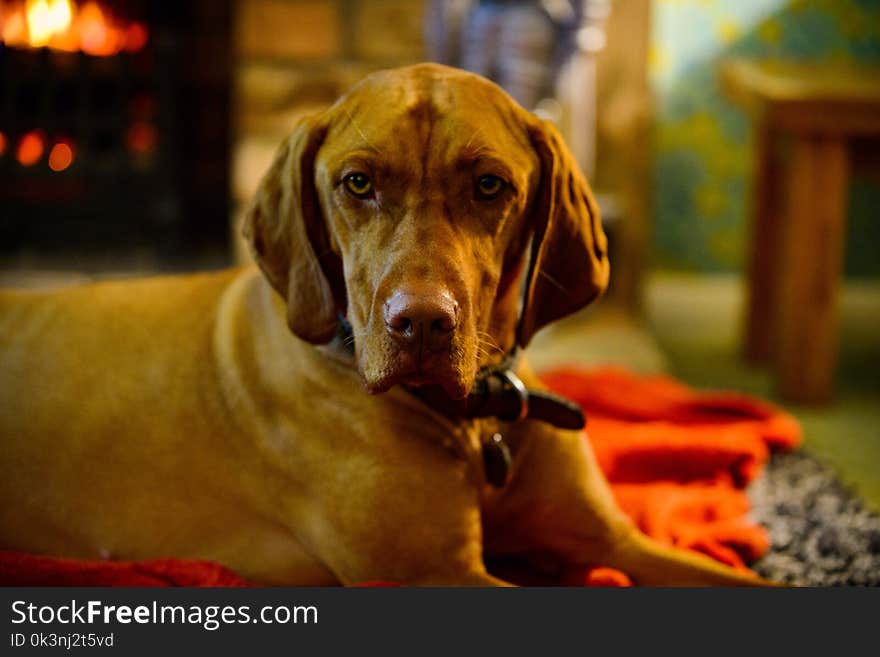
(806, 343)
(764, 243)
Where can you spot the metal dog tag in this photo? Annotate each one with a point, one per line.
(496, 461)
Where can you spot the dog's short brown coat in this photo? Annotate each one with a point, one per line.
(215, 416)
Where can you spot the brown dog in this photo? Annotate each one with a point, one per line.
(223, 416)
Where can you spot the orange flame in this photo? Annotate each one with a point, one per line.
(64, 25)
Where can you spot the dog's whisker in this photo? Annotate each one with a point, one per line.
(359, 131)
(482, 352)
(489, 343)
(552, 280)
(488, 338)
(473, 136)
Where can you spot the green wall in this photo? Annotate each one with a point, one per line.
(703, 152)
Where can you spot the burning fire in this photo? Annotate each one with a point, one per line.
(65, 25)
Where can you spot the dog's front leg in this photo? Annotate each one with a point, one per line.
(559, 510)
(557, 505)
(400, 509)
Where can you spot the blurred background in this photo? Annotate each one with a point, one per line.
(133, 133)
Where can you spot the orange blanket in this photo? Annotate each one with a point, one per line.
(677, 459)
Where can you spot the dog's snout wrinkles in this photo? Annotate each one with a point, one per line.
(417, 319)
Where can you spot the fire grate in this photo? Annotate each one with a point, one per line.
(101, 142)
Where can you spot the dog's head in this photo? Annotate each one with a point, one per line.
(408, 207)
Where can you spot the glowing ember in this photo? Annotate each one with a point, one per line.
(61, 156)
(135, 37)
(30, 148)
(65, 25)
(142, 137)
(2, 144)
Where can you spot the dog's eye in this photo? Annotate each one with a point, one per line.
(489, 186)
(358, 184)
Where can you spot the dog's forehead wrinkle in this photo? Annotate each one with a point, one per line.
(427, 132)
(514, 127)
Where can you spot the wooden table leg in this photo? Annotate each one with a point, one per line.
(764, 243)
(811, 253)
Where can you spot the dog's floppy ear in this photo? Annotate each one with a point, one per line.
(285, 230)
(568, 264)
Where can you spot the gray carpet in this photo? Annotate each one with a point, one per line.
(821, 533)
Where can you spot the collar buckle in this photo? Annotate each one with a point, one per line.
(511, 381)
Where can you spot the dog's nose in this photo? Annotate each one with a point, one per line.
(419, 319)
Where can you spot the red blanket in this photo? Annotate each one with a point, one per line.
(677, 459)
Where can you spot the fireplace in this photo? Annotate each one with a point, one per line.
(114, 125)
